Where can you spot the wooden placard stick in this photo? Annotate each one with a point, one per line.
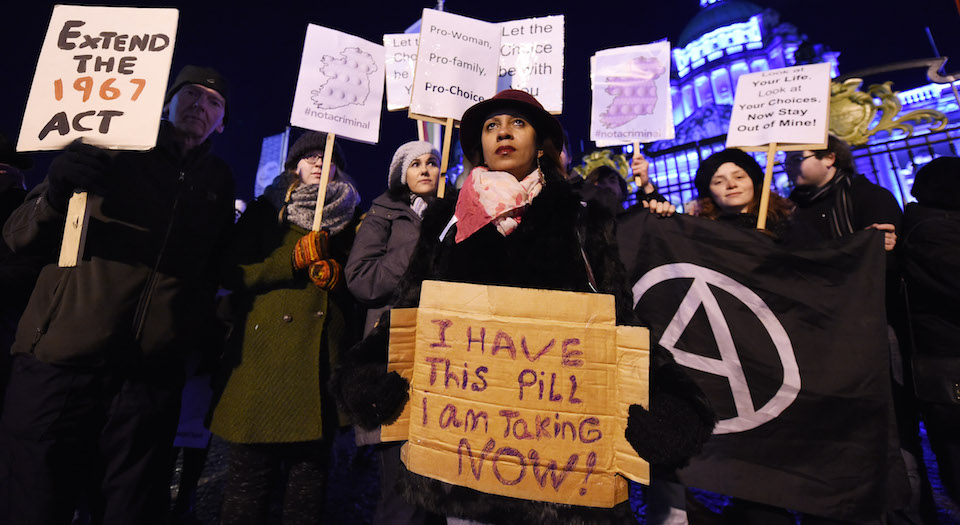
(420, 126)
(74, 230)
(636, 154)
(765, 190)
(445, 160)
(324, 178)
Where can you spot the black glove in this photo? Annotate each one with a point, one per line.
(81, 166)
(669, 434)
(371, 396)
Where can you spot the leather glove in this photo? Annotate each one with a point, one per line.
(311, 248)
(326, 274)
(669, 434)
(81, 166)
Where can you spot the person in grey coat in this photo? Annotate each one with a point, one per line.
(380, 255)
(391, 228)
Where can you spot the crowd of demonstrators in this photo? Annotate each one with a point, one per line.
(90, 407)
(293, 315)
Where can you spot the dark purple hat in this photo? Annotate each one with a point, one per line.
(739, 157)
(546, 125)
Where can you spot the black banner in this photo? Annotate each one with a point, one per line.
(790, 347)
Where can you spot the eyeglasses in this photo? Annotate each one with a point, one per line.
(312, 159)
(796, 159)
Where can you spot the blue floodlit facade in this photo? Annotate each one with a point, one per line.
(729, 38)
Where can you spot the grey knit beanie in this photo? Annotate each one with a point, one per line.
(404, 156)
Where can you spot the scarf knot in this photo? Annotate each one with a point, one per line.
(494, 197)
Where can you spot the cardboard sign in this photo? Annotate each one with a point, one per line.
(520, 392)
(631, 95)
(456, 64)
(788, 105)
(340, 86)
(102, 75)
(531, 59)
(400, 57)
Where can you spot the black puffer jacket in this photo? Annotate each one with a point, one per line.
(146, 282)
(544, 252)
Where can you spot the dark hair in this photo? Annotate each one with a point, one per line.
(550, 163)
(606, 171)
(841, 151)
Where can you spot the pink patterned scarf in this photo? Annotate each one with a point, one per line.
(494, 196)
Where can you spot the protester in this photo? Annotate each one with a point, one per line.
(18, 273)
(931, 266)
(380, 255)
(93, 400)
(294, 316)
(729, 186)
(515, 204)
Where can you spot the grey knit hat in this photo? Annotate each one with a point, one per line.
(404, 156)
(312, 141)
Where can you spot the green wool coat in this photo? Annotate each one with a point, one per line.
(286, 338)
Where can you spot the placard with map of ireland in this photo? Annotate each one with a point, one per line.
(631, 95)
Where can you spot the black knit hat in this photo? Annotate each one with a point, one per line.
(546, 125)
(739, 157)
(312, 141)
(937, 184)
(201, 76)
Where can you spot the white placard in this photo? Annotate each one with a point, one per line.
(102, 75)
(400, 57)
(456, 64)
(340, 86)
(788, 105)
(631, 95)
(531, 59)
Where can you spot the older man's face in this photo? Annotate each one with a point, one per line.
(197, 111)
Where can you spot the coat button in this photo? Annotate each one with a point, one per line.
(287, 318)
(319, 314)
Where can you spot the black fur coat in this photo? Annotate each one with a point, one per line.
(547, 251)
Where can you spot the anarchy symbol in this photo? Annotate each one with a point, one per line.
(728, 365)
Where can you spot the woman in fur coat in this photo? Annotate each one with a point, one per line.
(517, 223)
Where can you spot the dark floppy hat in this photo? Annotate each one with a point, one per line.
(739, 157)
(471, 124)
(202, 76)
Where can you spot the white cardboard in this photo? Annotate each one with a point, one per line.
(456, 64)
(631, 95)
(531, 59)
(787, 105)
(340, 86)
(124, 98)
(400, 57)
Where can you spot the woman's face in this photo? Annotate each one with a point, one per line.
(310, 165)
(422, 174)
(509, 144)
(731, 188)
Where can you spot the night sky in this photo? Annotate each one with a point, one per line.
(258, 50)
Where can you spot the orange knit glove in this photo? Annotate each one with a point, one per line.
(311, 248)
(326, 274)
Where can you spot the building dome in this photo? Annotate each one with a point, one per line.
(719, 14)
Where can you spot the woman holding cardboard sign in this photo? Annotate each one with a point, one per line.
(517, 223)
(293, 315)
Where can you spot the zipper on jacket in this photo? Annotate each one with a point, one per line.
(140, 315)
